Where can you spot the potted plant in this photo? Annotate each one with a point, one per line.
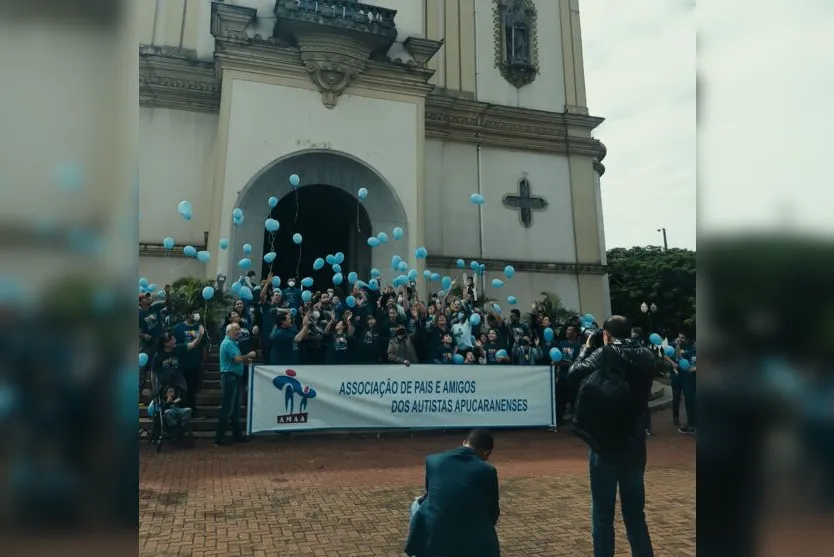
(187, 292)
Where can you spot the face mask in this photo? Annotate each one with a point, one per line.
(291, 283)
(195, 316)
(316, 315)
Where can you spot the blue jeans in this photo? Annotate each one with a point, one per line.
(605, 477)
(229, 406)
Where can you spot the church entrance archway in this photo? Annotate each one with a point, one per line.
(329, 220)
(327, 217)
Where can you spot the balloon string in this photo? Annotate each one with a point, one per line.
(296, 206)
(298, 265)
(358, 229)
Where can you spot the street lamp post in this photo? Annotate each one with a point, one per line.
(221, 281)
(665, 244)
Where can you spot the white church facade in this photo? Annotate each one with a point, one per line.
(423, 103)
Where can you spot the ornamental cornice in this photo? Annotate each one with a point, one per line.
(171, 78)
(521, 266)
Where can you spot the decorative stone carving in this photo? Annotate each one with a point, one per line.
(230, 21)
(333, 62)
(422, 50)
(516, 42)
(525, 202)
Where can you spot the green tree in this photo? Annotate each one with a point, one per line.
(187, 292)
(551, 305)
(654, 275)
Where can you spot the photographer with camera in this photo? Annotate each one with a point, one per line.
(613, 375)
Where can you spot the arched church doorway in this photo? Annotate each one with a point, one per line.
(330, 220)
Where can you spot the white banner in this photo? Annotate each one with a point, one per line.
(395, 396)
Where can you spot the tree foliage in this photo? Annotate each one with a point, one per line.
(187, 293)
(654, 275)
(551, 305)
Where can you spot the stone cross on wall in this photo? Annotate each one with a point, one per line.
(525, 203)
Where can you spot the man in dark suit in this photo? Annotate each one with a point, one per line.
(458, 514)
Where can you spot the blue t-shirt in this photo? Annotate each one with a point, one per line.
(166, 366)
(284, 349)
(687, 353)
(150, 322)
(185, 334)
(337, 349)
(228, 352)
(570, 350)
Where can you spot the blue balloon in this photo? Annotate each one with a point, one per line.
(208, 293)
(307, 282)
(421, 253)
(151, 287)
(236, 287)
(362, 193)
(435, 277)
(474, 265)
(143, 359)
(398, 233)
(237, 214)
(477, 199)
(373, 241)
(340, 257)
(373, 284)
(152, 409)
(361, 284)
(509, 271)
(403, 266)
(247, 249)
(460, 263)
(555, 355)
(224, 243)
(446, 283)
(655, 339)
(276, 282)
(512, 300)
(483, 268)
(412, 274)
(457, 359)
(189, 251)
(270, 257)
(273, 202)
(548, 334)
(238, 220)
(318, 264)
(184, 209)
(395, 262)
(306, 296)
(502, 354)
(427, 274)
(350, 301)
(272, 225)
(337, 279)
(590, 318)
(294, 180)
(168, 243)
(375, 273)
(403, 279)
(669, 351)
(352, 278)
(337, 268)
(475, 319)
(203, 256)
(244, 263)
(496, 308)
(497, 283)
(684, 364)
(160, 294)
(143, 281)
(297, 239)
(382, 237)
(245, 293)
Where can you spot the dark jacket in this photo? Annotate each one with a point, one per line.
(635, 364)
(459, 514)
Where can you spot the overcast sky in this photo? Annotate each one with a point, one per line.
(640, 76)
(765, 115)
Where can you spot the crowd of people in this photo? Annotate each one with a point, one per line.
(358, 325)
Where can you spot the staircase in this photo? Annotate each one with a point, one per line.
(208, 401)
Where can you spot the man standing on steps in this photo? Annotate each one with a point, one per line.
(231, 370)
(192, 365)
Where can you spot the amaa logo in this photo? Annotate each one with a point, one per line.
(292, 387)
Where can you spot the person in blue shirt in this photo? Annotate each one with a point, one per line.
(231, 372)
(284, 340)
(292, 295)
(491, 348)
(191, 332)
(338, 335)
(565, 395)
(685, 380)
(445, 351)
(167, 363)
(526, 353)
(367, 347)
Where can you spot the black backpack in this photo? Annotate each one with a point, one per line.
(603, 413)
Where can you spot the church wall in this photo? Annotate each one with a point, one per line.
(547, 92)
(175, 148)
(452, 222)
(550, 238)
(270, 121)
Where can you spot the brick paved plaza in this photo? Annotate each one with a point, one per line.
(349, 496)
